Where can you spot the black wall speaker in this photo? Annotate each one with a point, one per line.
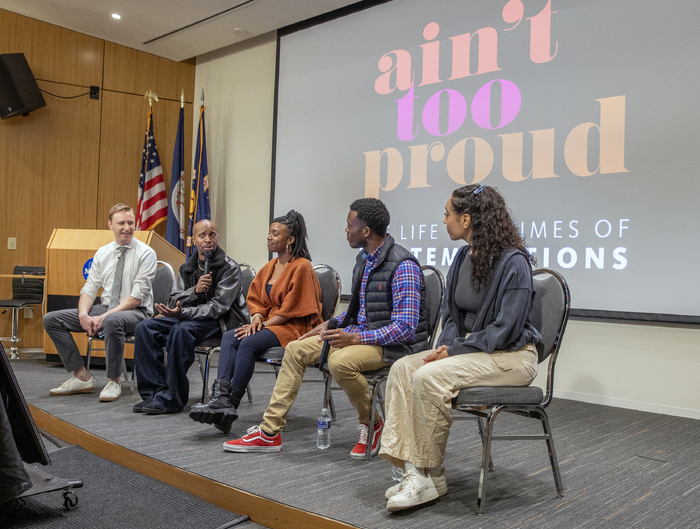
(19, 93)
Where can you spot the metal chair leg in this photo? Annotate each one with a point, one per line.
(480, 423)
(88, 353)
(370, 429)
(377, 397)
(14, 352)
(205, 377)
(125, 373)
(485, 457)
(552, 454)
(328, 395)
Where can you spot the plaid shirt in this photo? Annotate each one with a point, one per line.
(405, 293)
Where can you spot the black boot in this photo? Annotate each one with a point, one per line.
(219, 411)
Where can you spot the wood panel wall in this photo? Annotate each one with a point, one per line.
(65, 165)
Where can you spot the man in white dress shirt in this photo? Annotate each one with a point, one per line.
(125, 270)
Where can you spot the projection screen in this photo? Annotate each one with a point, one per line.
(583, 114)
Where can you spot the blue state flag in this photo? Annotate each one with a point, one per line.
(175, 231)
(199, 195)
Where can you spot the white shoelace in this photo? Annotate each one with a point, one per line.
(364, 434)
(409, 481)
(252, 430)
(112, 388)
(397, 474)
(67, 383)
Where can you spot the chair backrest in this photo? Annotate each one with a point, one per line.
(434, 291)
(163, 283)
(27, 288)
(247, 276)
(330, 289)
(550, 315)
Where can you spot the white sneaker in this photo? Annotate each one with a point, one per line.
(440, 483)
(111, 392)
(415, 489)
(74, 385)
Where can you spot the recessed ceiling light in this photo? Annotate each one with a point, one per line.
(116, 16)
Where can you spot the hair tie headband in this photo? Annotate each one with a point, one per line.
(478, 190)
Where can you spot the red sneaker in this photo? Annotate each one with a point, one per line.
(359, 451)
(255, 441)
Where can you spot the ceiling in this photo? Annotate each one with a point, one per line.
(181, 28)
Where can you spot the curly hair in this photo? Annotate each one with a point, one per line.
(373, 213)
(297, 228)
(492, 228)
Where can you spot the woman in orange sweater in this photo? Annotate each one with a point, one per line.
(284, 301)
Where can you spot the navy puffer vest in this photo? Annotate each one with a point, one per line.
(379, 301)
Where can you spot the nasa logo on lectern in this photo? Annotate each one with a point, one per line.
(86, 268)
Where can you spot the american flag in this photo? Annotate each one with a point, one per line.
(153, 199)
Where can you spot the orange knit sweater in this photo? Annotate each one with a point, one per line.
(295, 295)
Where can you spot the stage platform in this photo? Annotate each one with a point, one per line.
(621, 468)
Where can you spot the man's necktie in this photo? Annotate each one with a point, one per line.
(117, 284)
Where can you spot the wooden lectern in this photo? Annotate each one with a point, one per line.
(67, 255)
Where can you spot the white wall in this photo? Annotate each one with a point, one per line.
(640, 366)
(645, 367)
(239, 85)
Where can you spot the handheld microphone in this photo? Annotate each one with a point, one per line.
(323, 360)
(207, 259)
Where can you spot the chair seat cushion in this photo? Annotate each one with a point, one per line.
(496, 395)
(376, 373)
(274, 354)
(16, 303)
(211, 343)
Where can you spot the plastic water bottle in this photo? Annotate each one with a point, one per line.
(323, 440)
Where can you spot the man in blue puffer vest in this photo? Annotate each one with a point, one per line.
(385, 320)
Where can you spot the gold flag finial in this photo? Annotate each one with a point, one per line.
(151, 96)
(182, 98)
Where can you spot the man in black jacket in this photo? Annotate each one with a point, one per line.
(202, 306)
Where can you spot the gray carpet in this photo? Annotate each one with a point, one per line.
(113, 497)
(621, 468)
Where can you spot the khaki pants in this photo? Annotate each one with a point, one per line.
(419, 398)
(345, 365)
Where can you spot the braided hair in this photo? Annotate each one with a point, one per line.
(297, 228)
(492, 228)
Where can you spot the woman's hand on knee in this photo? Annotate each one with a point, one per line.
(437, 354)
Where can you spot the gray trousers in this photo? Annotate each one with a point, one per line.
(60, 323)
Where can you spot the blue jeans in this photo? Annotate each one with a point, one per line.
(167, 385)
(237, 358)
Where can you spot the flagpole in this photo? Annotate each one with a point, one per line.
(152, 206)
(151, 96)
(199, 194)
(200, 137)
